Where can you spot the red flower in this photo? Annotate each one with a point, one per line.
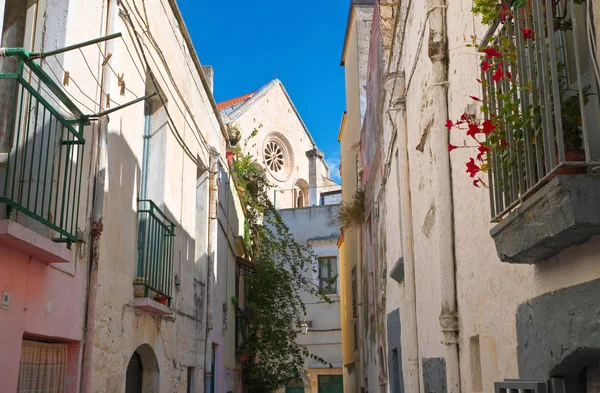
(473, 130)
(464, 117)
(476, 182)
(482, 150)
(491, 52)
(475, 98)
(498, 74)
(488, 127)
(244, 358)
(449, 125)
(451, 147)
(504, 14)
(527, 33)
(508, 75)
(485, 66)
(503, 142)
(478, 80)
(472, 168)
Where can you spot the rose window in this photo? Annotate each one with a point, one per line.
(274, 156)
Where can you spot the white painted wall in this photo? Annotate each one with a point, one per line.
(177, 340)
(488, 290)
(313, 227)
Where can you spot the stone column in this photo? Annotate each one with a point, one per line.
(314, 156)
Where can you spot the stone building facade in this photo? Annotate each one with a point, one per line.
(122, 227)
(457, 295)
(283, 145)
(314, 227)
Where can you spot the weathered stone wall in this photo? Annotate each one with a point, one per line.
(496, 329)
(176, 341)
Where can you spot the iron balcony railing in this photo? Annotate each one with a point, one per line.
(41, 146)
(155, 250)
(548, 101)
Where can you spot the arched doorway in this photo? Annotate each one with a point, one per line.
(142, 374)
(134, 375)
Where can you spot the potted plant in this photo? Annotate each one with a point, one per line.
(235, 135)
(501, 132)
(161, 299)
(230, 155)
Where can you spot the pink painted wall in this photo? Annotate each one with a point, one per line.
(44, 302)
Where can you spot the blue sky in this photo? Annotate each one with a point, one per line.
(249, 43)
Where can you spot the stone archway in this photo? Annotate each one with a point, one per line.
(301, 193)
(143, 374)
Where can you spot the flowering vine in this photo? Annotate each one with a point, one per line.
(487, 134)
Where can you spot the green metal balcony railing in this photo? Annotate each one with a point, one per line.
(155, 250)
(41, 138)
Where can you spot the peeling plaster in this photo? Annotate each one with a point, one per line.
(429, 221)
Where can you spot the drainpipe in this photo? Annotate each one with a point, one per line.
(97, 218)
(442, 188)
(406, 222)
(210, 275)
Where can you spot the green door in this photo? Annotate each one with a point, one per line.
(331, 384)
(295, 386)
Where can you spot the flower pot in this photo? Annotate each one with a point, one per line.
(572, 155)
(230, 156)
(161, 299)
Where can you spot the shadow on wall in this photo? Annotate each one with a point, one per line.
(558, 334)
(165, 357)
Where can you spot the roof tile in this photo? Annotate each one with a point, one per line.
(234, 101)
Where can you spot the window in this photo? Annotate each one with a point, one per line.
(328, 275)
(278, 157)
(300, 193)
(331, 383)
(43, 367)
(274, 156)
(154, 154)
(190, 379)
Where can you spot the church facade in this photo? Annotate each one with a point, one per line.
(282, 145)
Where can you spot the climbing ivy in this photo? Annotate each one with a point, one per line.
(282, 272)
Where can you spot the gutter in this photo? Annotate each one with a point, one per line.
(190, 45)
(442, 187)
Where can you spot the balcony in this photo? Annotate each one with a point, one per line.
(541, 95)
(41, 159)
(153, 284)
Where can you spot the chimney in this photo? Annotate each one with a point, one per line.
(209, 74)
